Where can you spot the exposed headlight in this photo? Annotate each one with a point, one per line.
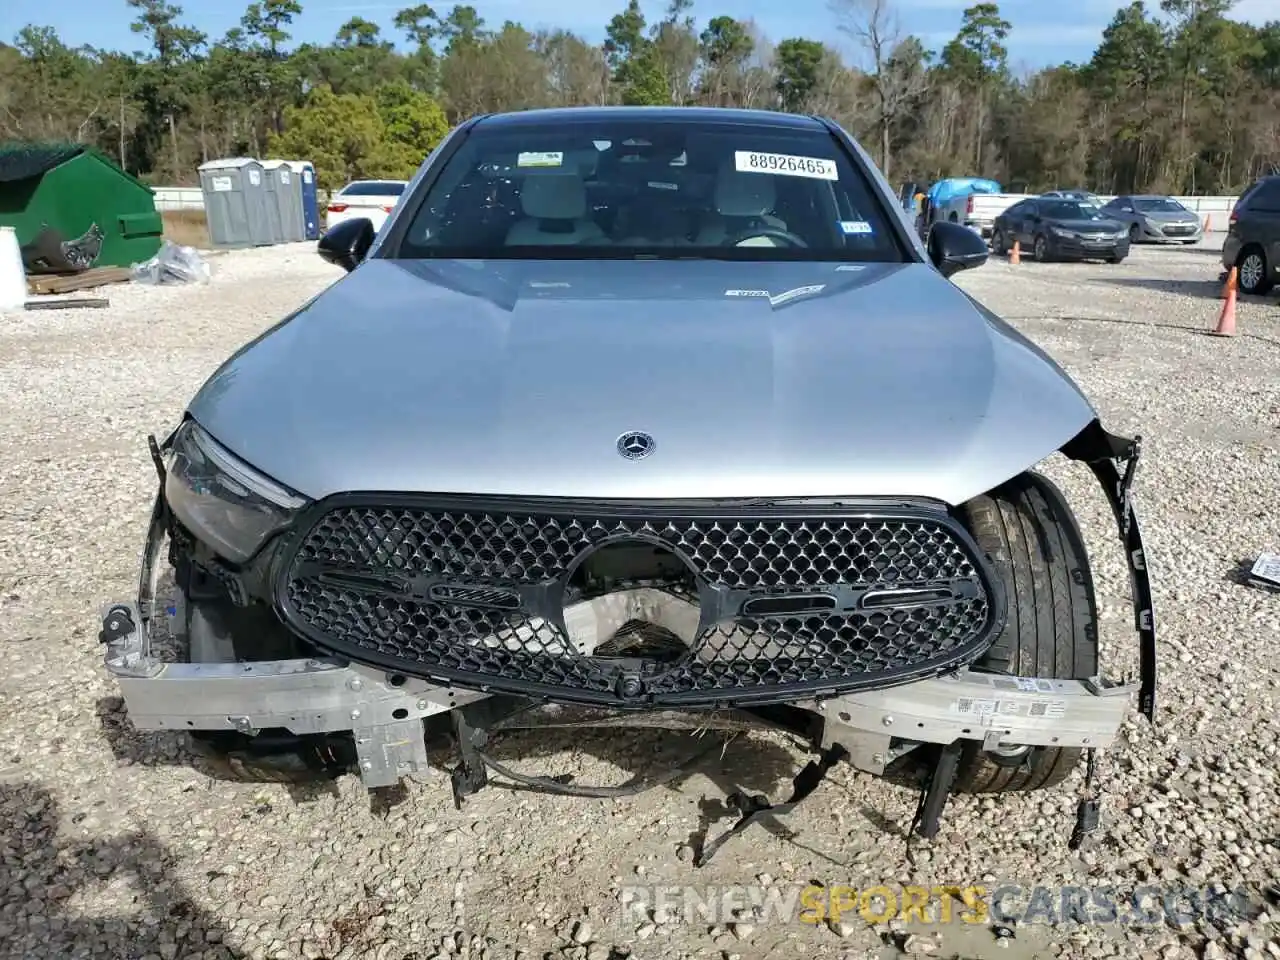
(1060, 232)
(223, 501)
(1121, 234)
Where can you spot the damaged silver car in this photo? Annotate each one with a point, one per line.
(637, 416)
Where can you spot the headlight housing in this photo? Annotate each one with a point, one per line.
(1060, 232)
(224, 502)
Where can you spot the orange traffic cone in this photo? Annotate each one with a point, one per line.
(1227, 319)
(1208, 222)
(1015, 255)
(1228, 284)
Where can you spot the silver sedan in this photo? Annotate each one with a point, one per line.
(1155, 219)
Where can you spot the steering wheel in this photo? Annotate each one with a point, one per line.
(774, 232)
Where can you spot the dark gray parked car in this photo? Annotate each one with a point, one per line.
(1054, 228)
(1253, 236)
(1155, 219)
(636, 416)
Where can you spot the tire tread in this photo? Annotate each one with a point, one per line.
(1033, 540)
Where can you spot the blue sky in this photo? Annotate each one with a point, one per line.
(1043, 32)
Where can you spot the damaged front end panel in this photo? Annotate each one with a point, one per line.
(342, 626)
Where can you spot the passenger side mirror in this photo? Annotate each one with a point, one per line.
(347, 243)
(953, 248)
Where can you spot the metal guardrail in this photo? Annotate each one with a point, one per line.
(192, 198)
(1215, 208)
(178, 198)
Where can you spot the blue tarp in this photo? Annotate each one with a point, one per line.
(944, 190)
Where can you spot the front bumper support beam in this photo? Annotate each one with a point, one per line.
(311, 696)
(384, 712)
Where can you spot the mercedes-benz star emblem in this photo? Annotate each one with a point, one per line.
(635, 445)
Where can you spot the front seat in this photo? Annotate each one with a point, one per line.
(555, 209)
(742, 201)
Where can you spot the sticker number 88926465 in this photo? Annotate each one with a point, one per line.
(750, 161)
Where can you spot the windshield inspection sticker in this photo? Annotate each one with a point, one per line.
(848, 227)
(749, 161)
(539, 159)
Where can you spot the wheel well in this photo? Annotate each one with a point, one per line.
(954, 218)
(1248, 248)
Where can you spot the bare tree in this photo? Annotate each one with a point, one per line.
(893, 62)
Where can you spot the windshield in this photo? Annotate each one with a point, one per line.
(374, 188)
(649, 188)
(1158, 205)
(1070, 210)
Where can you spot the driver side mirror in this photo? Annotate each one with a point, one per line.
(953, 248)
(346, 244)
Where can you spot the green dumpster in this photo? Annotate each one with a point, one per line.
(70, 188)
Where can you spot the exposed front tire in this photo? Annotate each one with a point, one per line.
(1051, 631)
(1252, 271)
(1041, 250)
(997, 243)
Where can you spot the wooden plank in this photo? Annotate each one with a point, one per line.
(66, 283)
(68, 304)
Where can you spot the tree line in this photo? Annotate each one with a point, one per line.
(1176, 98)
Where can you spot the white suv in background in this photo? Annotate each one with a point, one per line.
(374, 199)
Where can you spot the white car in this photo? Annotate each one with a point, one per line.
(374, 199)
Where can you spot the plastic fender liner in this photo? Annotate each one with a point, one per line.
(1114, 462)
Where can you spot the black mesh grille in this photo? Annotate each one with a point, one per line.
(472, 591)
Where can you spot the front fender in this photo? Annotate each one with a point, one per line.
(1033, 410)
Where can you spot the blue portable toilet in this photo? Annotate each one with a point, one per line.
(306, 175)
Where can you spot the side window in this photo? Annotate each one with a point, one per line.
(1267, 198)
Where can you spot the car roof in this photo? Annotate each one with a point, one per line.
(767, 118)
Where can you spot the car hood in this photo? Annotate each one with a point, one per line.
(753, 379)
(1170, 216)
(1087, 226)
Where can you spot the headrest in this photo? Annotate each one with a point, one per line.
(744, 194)
(553, 196)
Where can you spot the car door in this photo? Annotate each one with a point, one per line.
(1028, 223)
(1121, 208)
(1007, 219)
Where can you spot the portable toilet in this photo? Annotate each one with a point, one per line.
(305, 174)
(235, 203)
(284, 187)
(274, 201)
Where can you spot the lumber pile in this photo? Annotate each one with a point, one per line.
(95, 277)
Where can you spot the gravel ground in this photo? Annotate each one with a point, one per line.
(114, 844)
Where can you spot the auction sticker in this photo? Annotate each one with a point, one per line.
(539, 159)
(982, 708)
(784, 164)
